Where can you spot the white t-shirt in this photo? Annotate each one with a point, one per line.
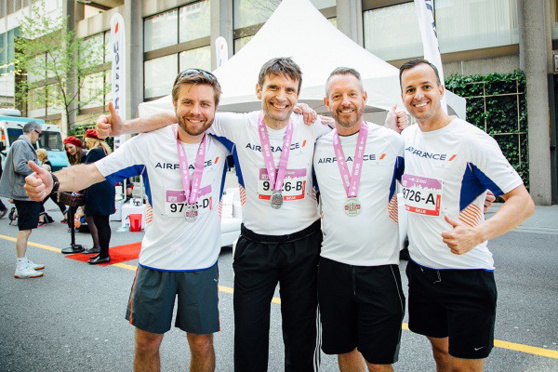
(299, 208)
(170, 242)
(371, 237)
(447, 171)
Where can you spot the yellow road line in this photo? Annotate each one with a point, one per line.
(497, 343)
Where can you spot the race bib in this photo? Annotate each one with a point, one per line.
(294, 186)
(422, 195)
(175, 201)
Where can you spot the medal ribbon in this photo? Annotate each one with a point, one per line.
(275, 182)
(191, 187)
(351, 183)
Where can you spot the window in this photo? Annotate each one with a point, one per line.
(467, 25)
(91, 93)
(392, 32)
(252, 12)
(194, 21)
(159, 76)
(196, 58)
(161, 30)
(36, 102)
(92, 53)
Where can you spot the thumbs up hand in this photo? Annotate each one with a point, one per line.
(462, 238)
(396, 120)
(38, 185)
(110, 125)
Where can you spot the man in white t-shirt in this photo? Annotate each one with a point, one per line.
(357, 166)
(183, 170)
(449, 166)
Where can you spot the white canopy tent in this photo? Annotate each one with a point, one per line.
(297, 29)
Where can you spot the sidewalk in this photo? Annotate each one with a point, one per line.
(544, 220)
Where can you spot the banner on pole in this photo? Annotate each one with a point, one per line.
(118, 73)
(429, 36)
(221, 51)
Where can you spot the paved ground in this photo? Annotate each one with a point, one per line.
(72, 318)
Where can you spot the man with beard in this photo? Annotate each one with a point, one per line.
(357, 166)
(281, 236)
(449, 165)
(183, 170)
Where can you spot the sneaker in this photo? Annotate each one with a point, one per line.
(3, 212)
(27, 273)
(34, 266)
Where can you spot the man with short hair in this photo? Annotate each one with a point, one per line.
(357, 166)
(183, 170)
(449, 166)
(21, 152)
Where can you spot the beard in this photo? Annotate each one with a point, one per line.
(349, 122)
(193, 130)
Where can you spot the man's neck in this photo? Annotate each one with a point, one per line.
(275, 124)
(435, 123)
(344, 131)
(28, 136)
(187, 138)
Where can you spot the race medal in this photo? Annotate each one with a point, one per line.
(352, 206)
(276, 199)
(191, 212)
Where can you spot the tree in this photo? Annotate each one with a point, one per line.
(55, 68)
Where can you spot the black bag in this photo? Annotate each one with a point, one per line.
(13, 215)
(72, 199)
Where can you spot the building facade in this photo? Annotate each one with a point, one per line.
(164, 37)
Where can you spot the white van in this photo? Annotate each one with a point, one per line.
(11, 127)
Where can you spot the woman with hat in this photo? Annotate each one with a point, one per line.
(74, 150)
(99, 201)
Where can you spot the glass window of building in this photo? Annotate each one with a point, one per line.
(161, 30)
(159, 76)
(241, 42)
(36, 102)
(91, 92)
(554, 17)
(54, 100)
(36, 69)
(93, 51)
(194, 21)
(196, 58)
(253, 12)
(392, 32)
(467, 25)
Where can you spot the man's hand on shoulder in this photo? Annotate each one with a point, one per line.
(307, 112)
(38, 185)
(110, 125)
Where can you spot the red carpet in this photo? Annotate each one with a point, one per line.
(121, 253)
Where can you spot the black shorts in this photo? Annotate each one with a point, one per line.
(361, 307)
(153, 294)
(459, 304)
(27, 214)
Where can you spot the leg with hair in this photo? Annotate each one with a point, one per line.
(147, 358)
(440, 351)
(351, 362)
(21, 242)
(380, 367)
(203, 353)
(466, 365)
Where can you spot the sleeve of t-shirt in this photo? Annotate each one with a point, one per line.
(229, 125)
(489, 165)
(126, 161)
(318, 128)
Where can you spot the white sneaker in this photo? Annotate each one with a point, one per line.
(27, 273)
(34, 266)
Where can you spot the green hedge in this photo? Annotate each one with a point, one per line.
(496, 103)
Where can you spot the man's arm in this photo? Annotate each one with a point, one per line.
(518, 206)
(113, 125)
(39, 184)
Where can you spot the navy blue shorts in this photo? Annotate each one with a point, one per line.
(459, 304)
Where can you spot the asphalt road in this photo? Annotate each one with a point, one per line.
(72, 319)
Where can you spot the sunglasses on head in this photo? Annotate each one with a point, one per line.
(194, 71)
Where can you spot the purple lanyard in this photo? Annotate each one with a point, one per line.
(351, 183)
(191, 188)
(276, 183)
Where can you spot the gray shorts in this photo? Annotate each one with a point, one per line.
(153, 294)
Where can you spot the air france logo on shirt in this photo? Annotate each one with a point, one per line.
(367, 157)
(172, 166)
(430, 155)
(258, 148)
